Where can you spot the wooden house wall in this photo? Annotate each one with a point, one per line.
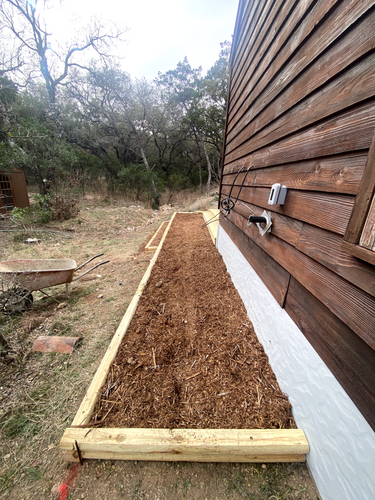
(301, 110)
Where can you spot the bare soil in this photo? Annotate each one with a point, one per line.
(190, 358)
(40, 393)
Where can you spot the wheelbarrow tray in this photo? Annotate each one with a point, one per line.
(35, 274)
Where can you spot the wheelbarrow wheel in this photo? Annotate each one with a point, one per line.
(15, 300)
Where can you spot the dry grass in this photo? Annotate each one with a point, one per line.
(40, 393)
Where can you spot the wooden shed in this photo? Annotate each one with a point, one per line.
(13, 191)
(301, 113)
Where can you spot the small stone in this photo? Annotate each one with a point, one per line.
(62, 305)
(264, 466)
(158, 284)
(100, 296)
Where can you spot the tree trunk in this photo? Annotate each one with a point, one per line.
(209, 168)
(154, 191)
(200, 177)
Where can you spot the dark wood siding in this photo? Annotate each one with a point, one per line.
(301, 111)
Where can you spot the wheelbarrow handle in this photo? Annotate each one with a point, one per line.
(87, 261)
(97, 265)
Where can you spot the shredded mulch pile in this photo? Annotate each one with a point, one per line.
(190, 358)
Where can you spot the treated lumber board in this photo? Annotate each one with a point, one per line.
(328, 211)
(149, 247)
(366, 193)
(353, 306)
(172, 457)
(350, 359)
(289, 42)
(352, 130)
(195, 445)
(86, 408)
(359, 252)
(322, 36)
(212, 225)
(297, 107)
(341, 174)
(367, 239)
(273, 275)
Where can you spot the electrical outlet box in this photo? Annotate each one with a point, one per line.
(277, 195)
(275, 189)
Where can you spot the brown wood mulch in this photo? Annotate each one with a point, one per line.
(190, 358)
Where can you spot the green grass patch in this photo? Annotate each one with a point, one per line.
(19, 425)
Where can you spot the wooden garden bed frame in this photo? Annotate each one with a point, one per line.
(81, 441)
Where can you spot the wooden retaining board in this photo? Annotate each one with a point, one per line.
(81, 441)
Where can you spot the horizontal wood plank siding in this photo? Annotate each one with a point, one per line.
(302, 113)
(350, 359)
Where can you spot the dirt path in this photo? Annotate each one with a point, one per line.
(40, 393)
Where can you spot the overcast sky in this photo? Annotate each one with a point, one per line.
(161, 32)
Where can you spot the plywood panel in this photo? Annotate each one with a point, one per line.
(350, 359)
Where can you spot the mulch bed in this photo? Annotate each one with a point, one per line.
(190, 357)
(159, 236)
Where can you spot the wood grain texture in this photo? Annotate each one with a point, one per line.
(353, 306)
(254, 20)
(367, 239)
(319, 244)
(297, 107)
(350, 131)
(365, 194)
(324, 30)
(329, 211)
(325, 247)
(194, 445)
(277, 13)
(252, 13)
(273, 275)
(289, 41)
(341, 174)
(286, 228)
(358, 252)
(350, 359)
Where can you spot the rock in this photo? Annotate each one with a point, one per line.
(100, 296)
(158, 284)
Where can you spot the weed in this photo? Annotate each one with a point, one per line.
(59, 328)
(18, 425)
(185, 485)
(34, 474)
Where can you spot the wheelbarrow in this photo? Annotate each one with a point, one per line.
(25, 276)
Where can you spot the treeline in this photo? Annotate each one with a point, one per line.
(95, 124)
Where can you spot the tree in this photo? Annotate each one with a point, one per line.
(25, 23)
